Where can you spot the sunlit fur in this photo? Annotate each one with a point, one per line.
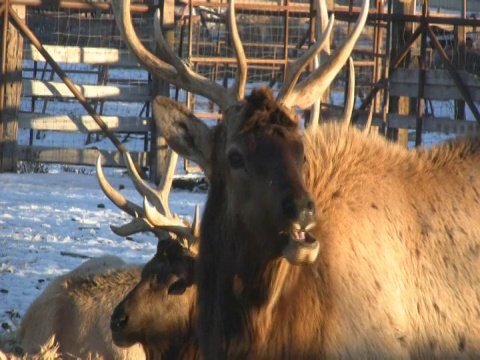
(400, 244)
(398, 269)
(76, 307)
(398, 273)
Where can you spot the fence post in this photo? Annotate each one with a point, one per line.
(460, 57)
(11, 82)
(159, 147)
(401, 31)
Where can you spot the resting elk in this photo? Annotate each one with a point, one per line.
(76, 308)
(329, 242)
(158, 312)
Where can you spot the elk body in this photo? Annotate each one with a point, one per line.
(332, 243)
(76, 308)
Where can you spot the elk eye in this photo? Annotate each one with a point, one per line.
(235, 160)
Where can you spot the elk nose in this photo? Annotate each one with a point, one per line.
(118, 321)
(307, 214)
(299, 209)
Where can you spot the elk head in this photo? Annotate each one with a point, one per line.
(254, 157)
(151, 313)
(156, 313)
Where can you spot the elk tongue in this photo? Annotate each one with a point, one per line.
(299, 235)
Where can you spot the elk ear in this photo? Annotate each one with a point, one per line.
(178, 287)
(184, 132)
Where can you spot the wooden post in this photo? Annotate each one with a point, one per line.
(378, 48)
(460, 57)
(325, 53)
(421, 77)
(159, 147)
(400, 34)
(11, 58)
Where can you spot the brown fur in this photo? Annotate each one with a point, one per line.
(398, 270)
(76, 308)
(160, 310)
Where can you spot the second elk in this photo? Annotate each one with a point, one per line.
(159, 311)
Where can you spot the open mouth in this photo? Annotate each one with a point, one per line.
(302, 246)
(303, 238)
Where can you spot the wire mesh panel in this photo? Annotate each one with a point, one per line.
(87, 45)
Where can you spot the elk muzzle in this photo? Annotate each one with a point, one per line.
(302, 247)
(118, 323)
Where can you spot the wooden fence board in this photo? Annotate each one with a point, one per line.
(53, 89)
(84, 55)
(76, 156)
(83, 124)
(439, 85)
(434, 124)
(444, 125)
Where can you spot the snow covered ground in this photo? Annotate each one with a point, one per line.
(43, 216)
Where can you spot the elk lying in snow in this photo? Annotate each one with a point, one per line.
(334, 243)
(76, 308)
(158, 312)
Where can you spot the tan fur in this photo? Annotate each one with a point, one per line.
(76, 307)
(396, 239)
(400, 244)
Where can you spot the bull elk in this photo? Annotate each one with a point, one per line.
(328, 243)
(158, 311)
(76, 308)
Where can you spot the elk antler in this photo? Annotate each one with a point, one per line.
(350, 100)
(172, 69)
(157, 217)
(304, 93)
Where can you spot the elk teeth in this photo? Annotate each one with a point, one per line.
(299, 235)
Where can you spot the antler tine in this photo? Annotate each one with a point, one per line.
(350, 100)
(133, 227)
(311, 88)
(166, 50)
(321, 17)
(159, 198)
(317, 105)
(296, 68)
(173, 225)
(368, 125)
(115, 196)
(321, 25)
(238, 88)
(179, 75)
(166, 183)
(196, 222)
(139, 223)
